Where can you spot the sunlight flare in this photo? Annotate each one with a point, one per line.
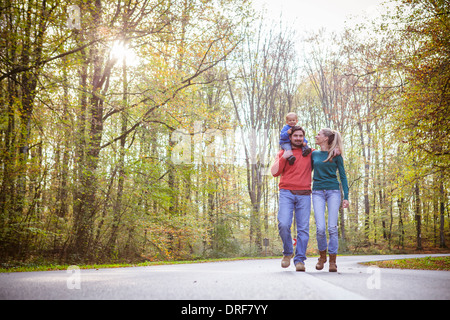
(120, 51)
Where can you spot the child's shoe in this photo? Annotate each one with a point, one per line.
(291, 160)
(306, 151)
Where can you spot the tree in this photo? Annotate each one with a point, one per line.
(258, 91)
(424, 114)
(70, 111)
(24, 31)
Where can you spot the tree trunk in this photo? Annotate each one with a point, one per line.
(442, 210)
(400, 202)
(418, 217)
(86, 201)
(117, 210)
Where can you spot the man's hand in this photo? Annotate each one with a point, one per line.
(287, 154)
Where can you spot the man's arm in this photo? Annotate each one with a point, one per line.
(279, 164)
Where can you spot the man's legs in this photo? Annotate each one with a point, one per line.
(302, 214)
(285, 214)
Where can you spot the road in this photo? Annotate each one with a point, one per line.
(233, 280)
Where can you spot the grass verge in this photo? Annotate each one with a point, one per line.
(52, 267)
(427, 263)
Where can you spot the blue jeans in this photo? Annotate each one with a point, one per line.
(301, 205)
(286, 146)
(333, 199)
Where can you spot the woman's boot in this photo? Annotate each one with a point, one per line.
(333, 266)
(322, 260)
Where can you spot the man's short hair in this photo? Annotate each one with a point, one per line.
(297, 128)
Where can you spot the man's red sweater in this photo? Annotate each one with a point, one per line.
(296, 176)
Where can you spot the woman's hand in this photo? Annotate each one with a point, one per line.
(345, 204)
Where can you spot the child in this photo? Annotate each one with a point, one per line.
(285, 143)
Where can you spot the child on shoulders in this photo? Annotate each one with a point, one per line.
(285, 142)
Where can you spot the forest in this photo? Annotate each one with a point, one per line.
(145, 130)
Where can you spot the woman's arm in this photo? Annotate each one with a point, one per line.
(343, 176)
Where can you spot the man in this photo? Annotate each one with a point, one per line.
(295, 196)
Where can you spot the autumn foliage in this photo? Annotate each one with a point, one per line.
(99, 100)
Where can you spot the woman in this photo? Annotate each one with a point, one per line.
(326, 191)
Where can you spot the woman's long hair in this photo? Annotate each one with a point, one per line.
(334, 142)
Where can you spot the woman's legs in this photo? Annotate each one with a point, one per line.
(331, 198)
(334, 202)
(319, 201)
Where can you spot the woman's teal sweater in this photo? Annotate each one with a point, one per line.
(325, 177)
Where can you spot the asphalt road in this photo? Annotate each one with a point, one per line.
(234, 280)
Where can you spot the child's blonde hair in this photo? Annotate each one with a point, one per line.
(334, 142)
(291, 114)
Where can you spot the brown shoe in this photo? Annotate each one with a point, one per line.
(300, 266)
(286, 261)
(333, 266)
(322, 260)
